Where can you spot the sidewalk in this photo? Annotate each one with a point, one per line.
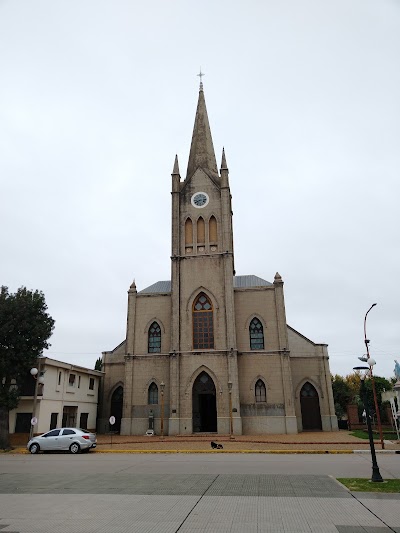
(306, 442)
(340, 441)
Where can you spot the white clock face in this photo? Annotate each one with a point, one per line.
(200, 199)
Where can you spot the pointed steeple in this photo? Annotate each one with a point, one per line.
(224, 166)
(202, 150)
(175, 170)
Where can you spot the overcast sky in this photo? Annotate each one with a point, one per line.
(97, 97)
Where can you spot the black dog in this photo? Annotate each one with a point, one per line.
(216, 446)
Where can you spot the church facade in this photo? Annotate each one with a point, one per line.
(210, 351)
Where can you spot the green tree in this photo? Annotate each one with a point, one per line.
(381, 384)
(342, 394)
(25, 327)
(98, 364)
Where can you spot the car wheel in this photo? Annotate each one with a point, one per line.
(74, 448)
(34, 448)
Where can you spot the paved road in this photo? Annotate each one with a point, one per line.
(335, 465)
(116, 493)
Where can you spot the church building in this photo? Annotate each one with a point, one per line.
(209, 351)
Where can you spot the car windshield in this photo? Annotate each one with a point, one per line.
(84, 430)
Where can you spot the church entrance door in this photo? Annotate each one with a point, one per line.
(204, 405)
(116, 408)
(310, 412)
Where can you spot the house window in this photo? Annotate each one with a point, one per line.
(154, 338)
(83, 420)
(261, 392)
(91, 385)
(53, 420)
(203, 331)
(71, 380)
(256, 335)
(79, 382)
(59, 378)
(153, 394)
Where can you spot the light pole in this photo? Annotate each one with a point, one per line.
(230, 410)
(39, 380)
(162, 385)
(376, 475)
(378, 415)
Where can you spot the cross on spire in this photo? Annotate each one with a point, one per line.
(200, 75)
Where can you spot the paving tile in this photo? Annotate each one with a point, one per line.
(192, 504)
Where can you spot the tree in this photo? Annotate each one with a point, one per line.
(342, 395)
(25, 327)
(381, 384)
(98, 364)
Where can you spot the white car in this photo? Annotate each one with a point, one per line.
(63, 439)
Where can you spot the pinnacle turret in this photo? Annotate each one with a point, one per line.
(175, 170)
(224, 166)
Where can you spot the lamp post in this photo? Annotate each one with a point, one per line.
(162, 385)
(230, 410)
(378, 415)
(376, 475)
(39, 380)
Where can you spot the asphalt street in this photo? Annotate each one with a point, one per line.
(351, 465)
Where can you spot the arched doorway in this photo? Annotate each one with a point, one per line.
(310, 411)
(116, 407)
(204, 404)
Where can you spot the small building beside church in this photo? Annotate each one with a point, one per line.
(211, 347)
(68, 397)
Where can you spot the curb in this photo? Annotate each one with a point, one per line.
(277, 452)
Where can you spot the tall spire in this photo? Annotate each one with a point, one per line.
(202, 150)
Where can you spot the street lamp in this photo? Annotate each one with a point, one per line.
(230, 410)
(366, 342)
(365, 370)
(39, 380)
(162, 385)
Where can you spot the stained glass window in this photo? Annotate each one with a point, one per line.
(261, 392)
(203, 331)
(153, 394)
(256, 335)
(308, 391)
(154, 338)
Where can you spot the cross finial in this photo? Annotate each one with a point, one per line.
(200, 75)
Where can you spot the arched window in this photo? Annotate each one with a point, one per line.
(203, 330)
(201, 234)
(256, 335)
(154, 338)
(213, 230)
(153, 394)
(188, 232)
(260, 392)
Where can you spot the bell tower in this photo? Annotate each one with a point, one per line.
(203, 319)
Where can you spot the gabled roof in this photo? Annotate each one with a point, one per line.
(158, 287)
(239, 282)
(243, 282)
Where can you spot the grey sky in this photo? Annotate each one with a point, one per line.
(97, 97)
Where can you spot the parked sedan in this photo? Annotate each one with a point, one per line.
(72, 439)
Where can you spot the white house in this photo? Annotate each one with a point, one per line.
(68, 397)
